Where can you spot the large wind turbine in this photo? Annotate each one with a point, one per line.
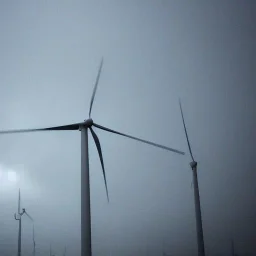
(199, 226)
(85, 182)
(19, 219)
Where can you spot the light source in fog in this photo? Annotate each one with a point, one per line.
(12, 176)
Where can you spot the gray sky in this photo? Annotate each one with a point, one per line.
(154, 52)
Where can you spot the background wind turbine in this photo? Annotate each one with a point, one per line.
(51, 250)
(85, 182)
(64, 254)
(20, 214)
(34, 243)
(233, 252)
(164, 252)
(199, 226)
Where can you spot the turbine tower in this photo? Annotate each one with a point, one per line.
(51, 250)
(83, 127)
(163, 250)
(233, 248)
(34, 243)
(18, 218)
(199, 226)
(65, 249)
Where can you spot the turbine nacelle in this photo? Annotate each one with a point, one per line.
(86, 124)
(193, 164)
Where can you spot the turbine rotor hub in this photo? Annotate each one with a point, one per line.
(88, 123)
(193, 164)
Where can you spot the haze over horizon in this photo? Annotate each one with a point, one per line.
(155, 52)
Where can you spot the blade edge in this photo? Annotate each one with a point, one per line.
(138, 139)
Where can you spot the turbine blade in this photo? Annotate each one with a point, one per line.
(29, 216)
(189, 147)
(54, 128)
(95, 86)
(19, 202)
(97, 143)
(138, 139)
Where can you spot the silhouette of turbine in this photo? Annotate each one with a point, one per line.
(199, 225)
(18, 218)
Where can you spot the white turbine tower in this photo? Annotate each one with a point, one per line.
(20, 214)
(85, 182)
(199, 225)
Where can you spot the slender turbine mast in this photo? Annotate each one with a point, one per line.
(51, 250)
(18, 218)
(232, 248)
(163, 250)
(65, 250)
(34, 243)
(86, 249)
(199, 226)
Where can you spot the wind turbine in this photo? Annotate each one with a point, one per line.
(85, 182)
(233, 253)
(232, 248)
(163, 250)
(51, 250)
(199, 226)
(34, 243)
(20, 214)
(64, 254)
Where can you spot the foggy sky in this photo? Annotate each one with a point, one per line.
(154, 52)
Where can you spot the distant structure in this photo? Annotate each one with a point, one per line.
(199, 225)
(18, 218)
(34, 243)
(233, 248)
(164, 253)
(51, 250)
(64, 254)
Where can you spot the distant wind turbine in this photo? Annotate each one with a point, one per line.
(85, 182)
(233, 253)
(163, 250)
(20, 214)
(34, 243)
(51, 250)
(199, 226)
(64, 254)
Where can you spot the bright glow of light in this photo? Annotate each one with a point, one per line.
(12, 176)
